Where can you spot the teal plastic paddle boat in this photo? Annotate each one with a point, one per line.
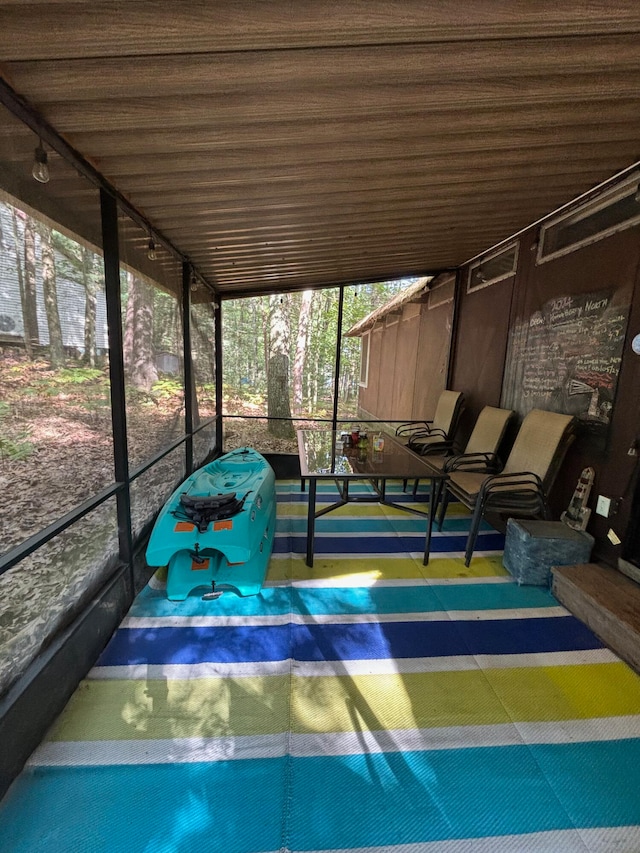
(217, 528)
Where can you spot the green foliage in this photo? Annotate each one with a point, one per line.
(138, 398)
(166, 388)
(77, 375)
(86, 381)
(14, 444)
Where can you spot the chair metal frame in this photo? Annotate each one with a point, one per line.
(484, 461)
(519, 493)
(413, 431)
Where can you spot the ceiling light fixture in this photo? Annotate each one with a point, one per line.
(40, 169)
(151, 251)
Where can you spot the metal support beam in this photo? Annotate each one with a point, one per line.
(189, 387)
(218, 362)
(451, 354)
(109, 211)
(336, 382)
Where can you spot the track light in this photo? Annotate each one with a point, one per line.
(40, 170)
(151, 252)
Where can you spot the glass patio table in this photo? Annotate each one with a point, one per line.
(324, 456)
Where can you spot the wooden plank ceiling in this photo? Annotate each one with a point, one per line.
(294, 144)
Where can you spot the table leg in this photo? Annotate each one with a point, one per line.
(432, 503)
(302, 484)
(311, 519)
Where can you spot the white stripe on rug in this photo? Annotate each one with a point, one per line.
(320, 669)
(341, 618)
(195, 750)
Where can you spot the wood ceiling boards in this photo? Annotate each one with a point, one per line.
(283, 145)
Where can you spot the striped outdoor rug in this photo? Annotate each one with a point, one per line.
(368, 704)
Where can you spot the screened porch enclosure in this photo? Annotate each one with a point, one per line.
(221, 223)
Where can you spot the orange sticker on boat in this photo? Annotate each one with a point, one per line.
(198, 567)
(235, 564)
(184, 527)
(227, 524)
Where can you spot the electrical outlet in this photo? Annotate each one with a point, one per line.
(603, 507)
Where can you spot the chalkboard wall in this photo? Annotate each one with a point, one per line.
(566, 358)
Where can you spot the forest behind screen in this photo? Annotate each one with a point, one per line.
(279, 353)
(56, 445)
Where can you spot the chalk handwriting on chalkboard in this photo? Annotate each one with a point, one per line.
(566, 358)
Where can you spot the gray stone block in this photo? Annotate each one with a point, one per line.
(533, 547)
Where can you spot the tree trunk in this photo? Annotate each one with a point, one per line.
(50, 293)
(90, 305)
(265, 344)
(301, 349)
(278, 405)
(139, 365)
(29, 310)
(16, 244)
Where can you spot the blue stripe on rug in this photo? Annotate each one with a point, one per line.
(489, 541)
(188, 808)
(270, 601)
(408, 798)
(336, 523)
(418, 599)
(386, 640)
(278, 601)
(325, 497)
(402, 798)
(365, 641)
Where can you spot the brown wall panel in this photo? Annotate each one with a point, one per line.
(432, 359)
(480, 347)
(405, 366)
(611, 265)
(387, 371)
(617, 475)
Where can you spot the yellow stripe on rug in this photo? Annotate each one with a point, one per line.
(217, 707)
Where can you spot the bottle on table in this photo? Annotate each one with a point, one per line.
(378, 443)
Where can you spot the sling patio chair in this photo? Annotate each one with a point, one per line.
(435, 436)
(523, 485)
(481, 451)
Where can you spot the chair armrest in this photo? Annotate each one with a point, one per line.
(434, 447)
(474, 462)
(418, 433)
(414, 440)
(409, 427)
(516, 483)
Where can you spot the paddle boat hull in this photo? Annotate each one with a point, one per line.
(217, 528)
